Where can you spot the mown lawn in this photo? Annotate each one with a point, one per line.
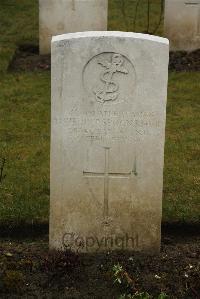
(18, 25)
(136, 15)
(25, 122)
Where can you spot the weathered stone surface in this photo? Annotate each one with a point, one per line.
(109, 93)
(182, 24)
(63, 16)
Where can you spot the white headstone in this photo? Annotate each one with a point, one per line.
(63, 16)
(182, 24)
(109, 92)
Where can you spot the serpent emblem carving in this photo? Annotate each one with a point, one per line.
(108, 90)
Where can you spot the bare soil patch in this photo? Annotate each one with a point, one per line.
(185, 61)
(29, 270)
(27, 58)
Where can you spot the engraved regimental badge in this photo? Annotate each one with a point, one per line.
(110, 75)
(108, 90)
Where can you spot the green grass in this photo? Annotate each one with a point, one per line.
(25, 127)
(25, 123)
(132, 15)
(182, 159)
(18, 25)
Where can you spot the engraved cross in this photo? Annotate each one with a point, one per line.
(107, 175)
(197, 4)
